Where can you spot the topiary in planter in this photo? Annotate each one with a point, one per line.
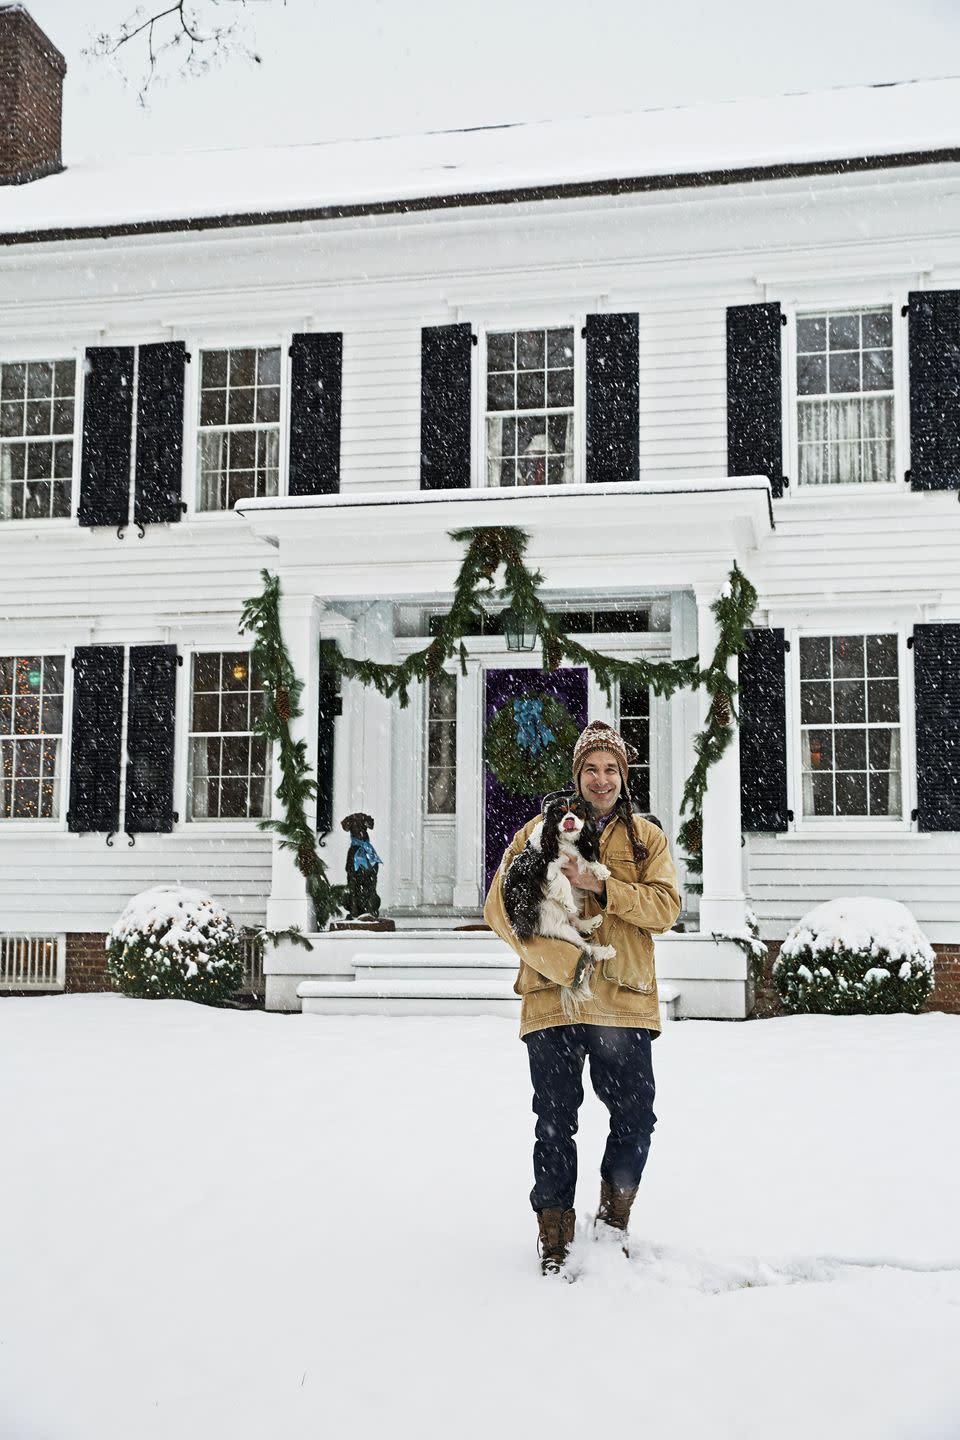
(172, 943)
(855, 957)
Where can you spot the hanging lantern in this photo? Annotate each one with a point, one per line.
(239, 671)
(520, 633)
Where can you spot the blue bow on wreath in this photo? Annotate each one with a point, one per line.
(364, 855)
(532, 731)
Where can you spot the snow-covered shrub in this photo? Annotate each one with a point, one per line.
(855, 957)
(172, 943)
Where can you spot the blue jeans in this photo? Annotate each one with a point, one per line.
(621, 1073)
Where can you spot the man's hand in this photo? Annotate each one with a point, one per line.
(582, 878)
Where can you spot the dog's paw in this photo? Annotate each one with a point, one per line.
(602, 952)
(601, 871)
(587, 927)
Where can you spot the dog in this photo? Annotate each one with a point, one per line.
(540, 900)
(363, 865)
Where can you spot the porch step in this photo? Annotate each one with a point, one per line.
(429, 996)
(437, 966)
(432, 995)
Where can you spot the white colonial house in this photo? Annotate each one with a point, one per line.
(659, 343)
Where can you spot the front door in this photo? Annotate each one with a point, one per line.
(506, 812)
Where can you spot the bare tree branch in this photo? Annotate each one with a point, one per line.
(177, 39)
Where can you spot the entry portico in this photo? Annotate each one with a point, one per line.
(353, 569)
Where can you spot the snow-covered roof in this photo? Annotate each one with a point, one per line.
(506, 161)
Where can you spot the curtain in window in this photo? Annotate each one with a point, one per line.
(213, 467)
(568, 454)
(848, 441)
(200, 786)
(494, 449)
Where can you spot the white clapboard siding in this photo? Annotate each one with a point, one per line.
(789, 875)
(78, 882)
(380, 414)
(683, 424)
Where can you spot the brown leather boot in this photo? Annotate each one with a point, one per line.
(556, 1236)
(614, 1208)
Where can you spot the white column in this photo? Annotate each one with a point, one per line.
(468, 876)
(300, 625)
(722, 904)
(685, 709)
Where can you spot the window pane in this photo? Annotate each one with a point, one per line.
(848, 702)
(844, 332)
(811, 334)
(848, 656)
(818, 750)
(213, 368)
(877, 328)
(501, 351)
(213, 407)
(815, 703)
(560, 387)
(268, 366)
(530, 350)
(878, 370)
(851, 794)
(243, 367)
(883, 699)
(821, 792)
(844, 373)
(531, 390)
(881, 655)
(501, 392)
(240, 407)
(814, 658)
(851, 749)
(560, 348)
(811, 374)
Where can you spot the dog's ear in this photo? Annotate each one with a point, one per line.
(550, 838)
(368, 821)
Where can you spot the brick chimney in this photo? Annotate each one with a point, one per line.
(31, 99)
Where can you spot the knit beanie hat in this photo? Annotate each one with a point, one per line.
(601, 736)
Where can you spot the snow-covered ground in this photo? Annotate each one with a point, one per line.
(221, 1224)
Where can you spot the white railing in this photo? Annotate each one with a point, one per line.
(252, 983)
(32, 962)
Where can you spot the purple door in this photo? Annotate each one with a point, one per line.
(505, 812)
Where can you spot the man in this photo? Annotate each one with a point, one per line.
(615, 1026)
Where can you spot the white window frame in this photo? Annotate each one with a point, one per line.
(861, 825)
(229, 340)
(217, 824)
(57, 822)
(497, 322)
(852, 297)
(32, 353)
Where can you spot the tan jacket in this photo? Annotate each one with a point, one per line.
(638, 905)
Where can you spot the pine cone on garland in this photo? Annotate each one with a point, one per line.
(306, 859)
(721, 709)
(282, 703)
(692, 835)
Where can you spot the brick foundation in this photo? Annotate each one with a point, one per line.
(945, 997)
(86, 963)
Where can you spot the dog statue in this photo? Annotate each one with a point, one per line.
(363, 864)
(540, 900)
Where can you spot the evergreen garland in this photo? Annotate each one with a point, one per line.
(488, 549)
(261, 616)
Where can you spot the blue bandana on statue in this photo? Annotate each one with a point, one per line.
(364, 855)
(532, 731)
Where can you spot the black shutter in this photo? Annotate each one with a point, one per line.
(936, 651)
(328, 708)
(934, 389)
(613, 398)
(763, 732)
(95, 738)
(107, 428)
(445, 367)
(159, 466)
(315, 389)
(150, 739)
(755, 393)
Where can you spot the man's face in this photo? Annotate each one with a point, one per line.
(600, 782)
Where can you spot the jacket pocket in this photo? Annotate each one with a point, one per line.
(528, 980)
(632, 968)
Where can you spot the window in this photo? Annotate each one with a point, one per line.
(635, 729)
(37, 403)
(850, 725)
(228, 762)
(530, 407)
(239, 426)
(845, 397)
(31, 736)
(442, 745)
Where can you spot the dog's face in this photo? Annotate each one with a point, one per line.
(567, 813)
